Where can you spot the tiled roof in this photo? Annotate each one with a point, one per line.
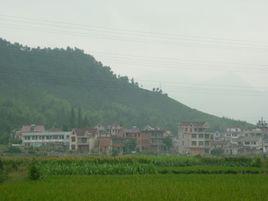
(84, 131)
(193, 123)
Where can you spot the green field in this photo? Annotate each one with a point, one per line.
(139, 187)
(133, 178)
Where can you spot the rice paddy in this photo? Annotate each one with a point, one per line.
(139, 187)
(135, 178)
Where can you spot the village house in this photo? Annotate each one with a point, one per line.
(115, 130)
(265, 144)
(152, 140)
(29, 129)
(194, 139)
(251, 142)
(104, 145)
(110, 130)
(236, 141)
(135, 135)
(83, 140)
(55, 140)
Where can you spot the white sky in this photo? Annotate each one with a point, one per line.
(209, 54)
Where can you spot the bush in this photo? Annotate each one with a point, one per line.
(34, 172)
(257, 162)
(3, 175)
(1, 165)
(13, 150)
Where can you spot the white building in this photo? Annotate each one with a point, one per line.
(41, 139)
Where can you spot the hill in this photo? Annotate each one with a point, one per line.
(67, 88)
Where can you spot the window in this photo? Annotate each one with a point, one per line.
(73, 147)
(200, 135)
(27, 138)
(73, 139)
(206, 143)
(201, 143)
(193, 135)
(193, 143)
(206, 136)
(82, 140)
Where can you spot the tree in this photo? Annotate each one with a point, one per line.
(79, 118)
(72, 119)
(34, 172)
(217, 151)
(130, 145)
(168, 143)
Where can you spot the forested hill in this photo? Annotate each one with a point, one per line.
(67, 88)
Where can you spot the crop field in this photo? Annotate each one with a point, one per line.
(137, 165)
(133, 178)
(139, 187)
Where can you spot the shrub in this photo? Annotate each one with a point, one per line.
(3, 174)
(13, 150)
(257, 162)
(1, 165)
(34, 172)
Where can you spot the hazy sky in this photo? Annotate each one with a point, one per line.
(209, 54)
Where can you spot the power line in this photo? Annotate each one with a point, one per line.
(123, 31)
(181, 65)
(140, 36)
(160, 58)
(107, 84)
(193, 62)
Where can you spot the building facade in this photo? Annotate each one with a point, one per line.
(54, 140)
(194, 139)
(83, 140)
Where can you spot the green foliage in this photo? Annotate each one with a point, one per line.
(217, 151)
(3, 174)
(125, 165)
(168, 143)
(34, 172)
(257, 162)
(13, 150)
(139, 187)
(66, 88)
(130, 145)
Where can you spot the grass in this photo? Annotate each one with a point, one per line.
(136, 178)
(139, 187)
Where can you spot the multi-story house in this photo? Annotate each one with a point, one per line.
(134, 134)
(54, 140)
(83, 140)
(29, 129)
(152, 140)
(251, 142)
(105, 145)
(194, 139)
(110, 130)
(115, 130)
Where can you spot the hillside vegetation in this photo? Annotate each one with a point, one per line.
(67, 88)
